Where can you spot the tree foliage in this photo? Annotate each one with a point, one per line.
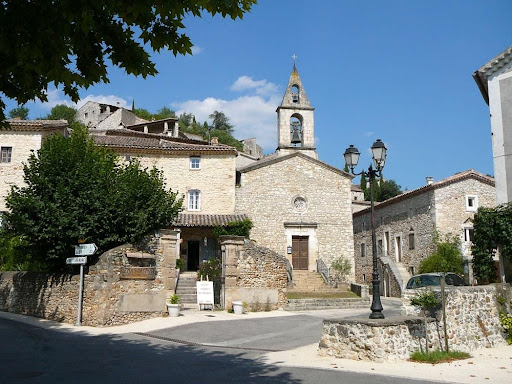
(64, 112)
(162, 113)
(492, 229)
(76, 190)
(20, 112)
(382, 189)
(69, 42)
(220, 122)
(446, 257)
(234, 228)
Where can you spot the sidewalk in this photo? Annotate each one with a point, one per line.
(492, 365)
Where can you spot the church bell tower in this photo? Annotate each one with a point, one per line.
(295, 119)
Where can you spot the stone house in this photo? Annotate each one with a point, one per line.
(406, 225)
(17, 142)
(494, 79)
(300, 206)
(104, 116)
(202, 173)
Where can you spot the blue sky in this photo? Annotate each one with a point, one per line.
(395, 70)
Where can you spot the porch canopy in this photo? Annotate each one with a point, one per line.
(206, 220)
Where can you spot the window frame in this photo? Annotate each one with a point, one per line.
(471, 203)
(194, 160)
(363, 249)
(412, 244)
(8, 151)
(194, 200)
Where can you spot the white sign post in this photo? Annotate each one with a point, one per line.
(205, 293)
(82, 251)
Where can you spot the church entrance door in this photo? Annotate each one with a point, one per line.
(300, 256)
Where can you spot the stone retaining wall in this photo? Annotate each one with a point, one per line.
(253, 274)
(472, 323)
(109, 297)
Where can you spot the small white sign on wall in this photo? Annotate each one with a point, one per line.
(205, 292)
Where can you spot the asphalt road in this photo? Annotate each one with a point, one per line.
(269, 334)
(30, 354)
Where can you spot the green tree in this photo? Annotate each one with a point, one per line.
(68, 43)
(62, 111)
(19, 112)
(76, 190)
(143, 113)
(388, 189)
(164, 113)
(492, 229)
(220, 122)
(446, 257)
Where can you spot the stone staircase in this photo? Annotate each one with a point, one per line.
(186, 288)
(306, 281)
(400, 273)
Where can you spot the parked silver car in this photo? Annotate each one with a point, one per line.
(434, 280)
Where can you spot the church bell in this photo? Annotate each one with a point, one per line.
(295, 134)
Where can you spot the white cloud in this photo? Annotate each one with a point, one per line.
(369, 134)
(261, 87)
(252, 116)
(104, 99)
(196, 50)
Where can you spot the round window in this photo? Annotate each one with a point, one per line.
(299, 203)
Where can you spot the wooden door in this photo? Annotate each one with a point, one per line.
(300, 256)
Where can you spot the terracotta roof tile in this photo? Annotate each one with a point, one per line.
(206, 220)
(142, 141)
(470, 173)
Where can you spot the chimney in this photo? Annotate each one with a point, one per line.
(430, 180)
(214, 141)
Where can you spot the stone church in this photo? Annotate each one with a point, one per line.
(299, 205)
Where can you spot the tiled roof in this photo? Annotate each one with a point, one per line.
(470, 173)
(36, 125)
(147, 141)
(206, 220)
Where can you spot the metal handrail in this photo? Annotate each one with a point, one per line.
(321, 267)
(289, 270)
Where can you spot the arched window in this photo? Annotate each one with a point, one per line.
(296, 130)
(295, 94)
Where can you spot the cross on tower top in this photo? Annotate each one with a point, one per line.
(294, 56)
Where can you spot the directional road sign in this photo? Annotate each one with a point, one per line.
(76, 260)
(85, 249)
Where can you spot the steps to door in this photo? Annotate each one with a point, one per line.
(306, 281)
(186, 288)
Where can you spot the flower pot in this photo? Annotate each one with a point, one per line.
(238, 307)
(174, 310)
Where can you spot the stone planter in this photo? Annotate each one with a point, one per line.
(238, 307)
(174, 310)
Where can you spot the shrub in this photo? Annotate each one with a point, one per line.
(446, 257)
(234, 228)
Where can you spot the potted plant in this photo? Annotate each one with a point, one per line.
(173, 306)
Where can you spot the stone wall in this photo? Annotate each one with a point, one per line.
(252, 274)
(109, 299)
(413, 215)
(215, 178)
(472, 318)
(263, 277)
(11, 174)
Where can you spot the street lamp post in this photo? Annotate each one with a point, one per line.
(379, 158)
